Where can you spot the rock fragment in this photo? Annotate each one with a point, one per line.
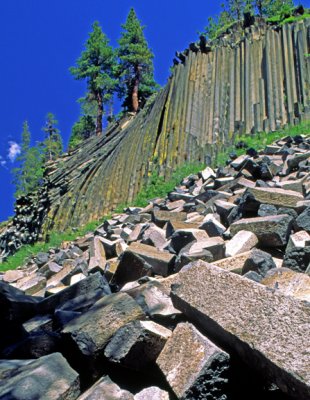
(271, 231)
(152, 393)
(258, 261)
(106, 389)
(243, 241)
(107, 316)
(200, 375)
(48, 378)
(137, 344)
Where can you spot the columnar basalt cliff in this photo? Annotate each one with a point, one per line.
(250, 79)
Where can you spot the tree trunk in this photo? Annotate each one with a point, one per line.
(135, 96)
(99, 114)
(135, 90)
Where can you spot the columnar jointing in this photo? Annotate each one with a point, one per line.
(249, 80)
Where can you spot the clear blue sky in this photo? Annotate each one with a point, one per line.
(41, 39)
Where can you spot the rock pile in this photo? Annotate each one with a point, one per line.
(201, 295)
(25, 227)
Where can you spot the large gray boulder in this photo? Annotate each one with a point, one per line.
(93, 329)
(268, 330)
(48, 378)
(271, 231)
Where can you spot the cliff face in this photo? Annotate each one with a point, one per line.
(251, 79)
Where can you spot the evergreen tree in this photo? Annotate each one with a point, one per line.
(81, 130)
(236, 8)
(97, 65)
(136, 64)
(53, 142)
(28, 175)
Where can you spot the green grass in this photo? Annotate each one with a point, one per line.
(278, 19)
(260, 140)
(158, 187)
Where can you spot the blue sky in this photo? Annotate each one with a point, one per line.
(41, 39)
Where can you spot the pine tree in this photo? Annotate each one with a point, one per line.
(97, 65)
(53, 142)
(81, 130)
(28, 175)
(136, 64)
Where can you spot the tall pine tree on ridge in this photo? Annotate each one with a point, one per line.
(97, 65)
(136, 64)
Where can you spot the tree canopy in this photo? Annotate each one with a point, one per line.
(28, 176)
(52, 145)
(135, 64)
(97, 65)
(233, 10)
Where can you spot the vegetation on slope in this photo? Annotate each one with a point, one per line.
(274, 11)
(157, 187)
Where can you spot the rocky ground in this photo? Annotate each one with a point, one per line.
(201, 295)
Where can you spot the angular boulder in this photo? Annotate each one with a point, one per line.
(271, 231)
(243, 241)
(94, 328)
(137, 344)
(252, 320)
(194, 367)
(47, 378)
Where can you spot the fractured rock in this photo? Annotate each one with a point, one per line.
(160, 261)
(298, 239)
(97, 256)
(49, 269)
(161, 217)
(89, 287)
(193, 366)
(107, 315)
(155, 236)
(212, 226)
(182, 237)
(297, 258)
(252, 320)
(243, 241)
(15, 305)
(214, 245)
(275, 196)
(47, 378)
(33, 285)
(233, 264)
(288, 282)
(154, 300)
(152, 393)
(258, 261)
(12, 276)
(137, 344)
(303, 221)
(271, 231)
(106, 389)
(130, 268)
